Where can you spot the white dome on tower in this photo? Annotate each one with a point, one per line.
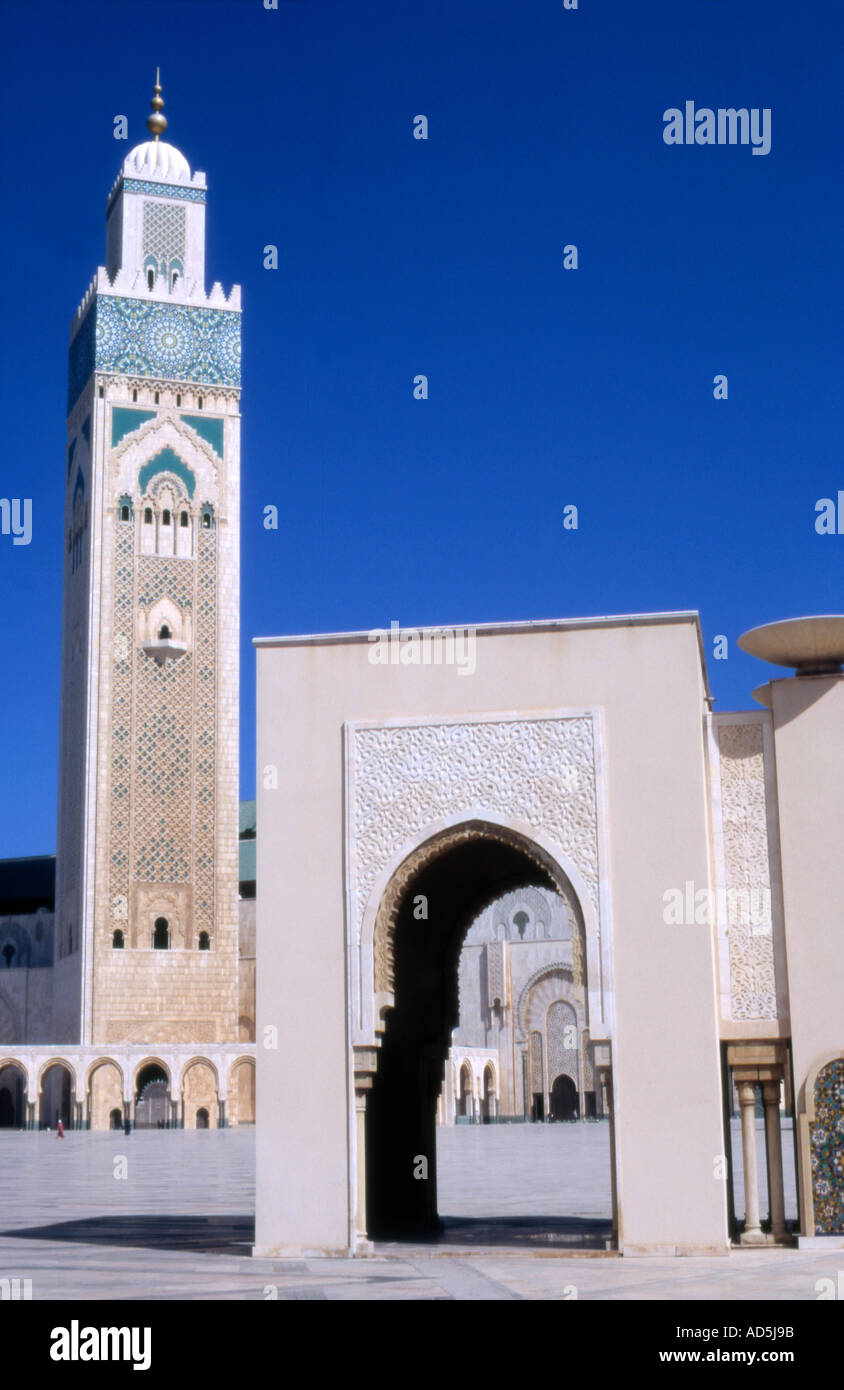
(155, 159)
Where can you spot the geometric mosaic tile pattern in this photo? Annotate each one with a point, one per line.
(138, 337)
(827, 1147)
(158, 190)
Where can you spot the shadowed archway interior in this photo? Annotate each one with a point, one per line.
(452, 889)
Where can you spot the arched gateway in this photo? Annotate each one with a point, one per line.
(406, 779)
(420, 923)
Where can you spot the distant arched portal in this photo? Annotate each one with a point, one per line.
(152, 1098)
(475, 864)
(563, 1099)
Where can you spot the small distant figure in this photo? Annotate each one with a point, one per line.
(60, 1130)
(127, 1128)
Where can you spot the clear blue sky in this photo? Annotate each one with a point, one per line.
(444, 257)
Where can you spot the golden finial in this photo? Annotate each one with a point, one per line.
(156, 123)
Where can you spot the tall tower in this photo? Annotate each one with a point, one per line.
(146, 901)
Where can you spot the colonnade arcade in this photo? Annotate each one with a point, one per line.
(90, 1088)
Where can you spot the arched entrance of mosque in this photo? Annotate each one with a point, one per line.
(464, 1105)
(57, 1096)
(105, 1095)
(152, 1097)
(200, 1107)
(115, 1119)
(453, 876)
(241, 1109)
(488, 1103)
(563, 1099)
(12, 1096)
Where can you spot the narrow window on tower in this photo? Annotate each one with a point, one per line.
(164, 633)
(165, 517)
(161, 935)
(124, 513)
(157, 398)
(150, 278)
(147, 516)
(135, 395)
(178, 400)
(204, 941)
(117, 940)
(183, 520)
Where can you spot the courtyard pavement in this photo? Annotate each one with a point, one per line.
(169, 1216)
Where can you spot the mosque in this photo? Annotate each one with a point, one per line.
(562, 889)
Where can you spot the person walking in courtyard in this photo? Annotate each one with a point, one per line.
(60, 1130)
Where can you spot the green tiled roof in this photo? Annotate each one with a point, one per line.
(247, 860)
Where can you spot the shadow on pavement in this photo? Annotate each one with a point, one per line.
(520, 1232)
(218, 1235)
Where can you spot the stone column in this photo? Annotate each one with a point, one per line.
(771, 1097)
(366, 1062)
(747, 1100)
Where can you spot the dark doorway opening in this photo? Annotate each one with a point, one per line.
(401, 1106)
(563, 1099)
(152, 1098)
(56, 1097)
(12, 1098)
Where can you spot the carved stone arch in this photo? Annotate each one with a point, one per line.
(241, 1090)
(550, 984)
(58, 1062)
(8, 1061)
(423, 854)
(200, 1093)
(152, 1061)
(198, 1060)
(104, 1062)
(168, 432)
(104, 1085)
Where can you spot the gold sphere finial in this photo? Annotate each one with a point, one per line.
(156, 123)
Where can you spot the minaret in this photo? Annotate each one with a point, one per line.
(146, 903)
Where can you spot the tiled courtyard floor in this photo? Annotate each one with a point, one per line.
(178, 1225)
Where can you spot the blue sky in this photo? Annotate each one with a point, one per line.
(444, 257)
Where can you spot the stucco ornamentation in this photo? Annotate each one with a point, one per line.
(748, 875)
(540, 772)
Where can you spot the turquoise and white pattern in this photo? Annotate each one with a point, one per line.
(156, 190)
(137, 337)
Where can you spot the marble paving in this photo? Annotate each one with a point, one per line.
(169, 1216)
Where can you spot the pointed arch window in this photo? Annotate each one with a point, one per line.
(147, 516)
(161, 935)
(204, 941)
(117, 940)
